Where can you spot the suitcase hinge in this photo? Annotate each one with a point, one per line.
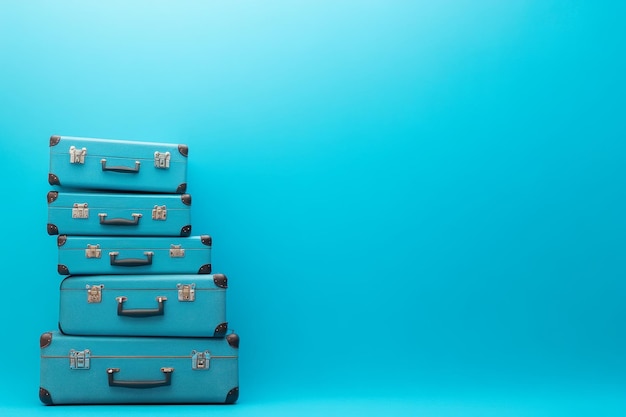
(80, 359)
(94, 293)
(186, 292)
(162, 160)
(80, 211)
(159, 213)
(93, 251)
(200, 360)
(176, 251)
(77, 156)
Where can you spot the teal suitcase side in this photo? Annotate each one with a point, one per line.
(144, 305)
(81, 255)
(118, 214)
(138, 370)
(122, 165)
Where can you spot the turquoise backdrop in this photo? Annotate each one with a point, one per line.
(420, 205)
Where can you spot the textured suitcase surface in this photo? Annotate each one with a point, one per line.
(134, 255)
(98, 370)
(105, 164)
(119, 214)
(144, 305)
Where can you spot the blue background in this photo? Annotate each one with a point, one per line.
(420, 205)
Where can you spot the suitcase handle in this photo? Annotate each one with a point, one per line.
(120, 169)
(119, 221)
(140, 384)
(141, 312)
(131, 261)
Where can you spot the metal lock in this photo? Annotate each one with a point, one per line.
(80, 359)
(186, 292)
(93, 251)
(94, 293)
(159, 213)
(80, 211)
(200, 360)
(176, 251)
(77, 156)
(162, 160)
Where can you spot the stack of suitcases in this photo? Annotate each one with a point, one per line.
(141, 317)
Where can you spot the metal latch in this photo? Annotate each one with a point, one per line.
(200, 360)
(79, 359)
(80, 211)
(162, 160)
(176, 251)
(186, 292)
(93, 251)
(159, 213)
(94, 293)
(77, 156)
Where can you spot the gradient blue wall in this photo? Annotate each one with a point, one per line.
(404, 194)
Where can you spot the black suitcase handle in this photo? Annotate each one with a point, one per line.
(131, 261)
(120, 169)
(140, 384)
(141, 312)
(119, 221)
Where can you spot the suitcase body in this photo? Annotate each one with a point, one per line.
(148, 305)
(105, 164)
(119, 214)
(80, 255)
(100, 370)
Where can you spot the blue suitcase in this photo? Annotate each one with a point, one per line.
(80, 255)
(105, 164)
(144, 305)
(100, 370)
(118, 214)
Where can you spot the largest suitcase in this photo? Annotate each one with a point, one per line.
(119, 214)
(99, 370)
(106, 164)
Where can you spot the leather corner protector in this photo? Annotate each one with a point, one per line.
(205, 269)
(52, 196)
(52, 229)
(185, 230)
(186, 199)
(182, 187)
(63, 270)
(53, 179)
(46, 398)
(183, 149)
(61, 239)
(233, 340)
(54, 140)
(45, 339)
(232, 396)
(220, 330)
(206, 240)
(220, 280)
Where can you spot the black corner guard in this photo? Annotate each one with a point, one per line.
(45, 397)
(61, 239)
(54, 140)
(63, 270)
(186, 199)
(233, 340)
(220, 280)
(185, 230)
(181, 188)
(232, 396)
(45, 339)
(206, 240)
(52, 196)
(52, 229)
(220, 330)
(183, 149)
(205, 269)
(53, 179)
